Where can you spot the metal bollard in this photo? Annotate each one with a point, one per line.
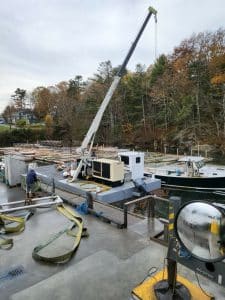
(53, 186)
(151, 207)
(125, 215)
(90, 201)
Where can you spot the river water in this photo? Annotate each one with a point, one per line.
(190, 195)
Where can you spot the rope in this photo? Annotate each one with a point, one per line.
(5, 243)
(76, 231)
(12, 229)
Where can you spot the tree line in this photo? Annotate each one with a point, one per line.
(177, 101)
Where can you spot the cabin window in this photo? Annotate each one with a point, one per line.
(138, 160)
(200, 164)
(125, 159)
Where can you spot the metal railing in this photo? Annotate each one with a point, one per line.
(122, 222)
(150, 206)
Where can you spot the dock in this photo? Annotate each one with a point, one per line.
(100, 192)
(107, 265)
(116, 257)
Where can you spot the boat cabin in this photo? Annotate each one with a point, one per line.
(192, 164)
(133, 163)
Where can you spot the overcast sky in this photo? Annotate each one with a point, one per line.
(43, 42)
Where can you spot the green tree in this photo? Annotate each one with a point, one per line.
(21, 123)
(75, 87)
(158, 68)
(19, 99)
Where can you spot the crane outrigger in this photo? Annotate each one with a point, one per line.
(85, 162)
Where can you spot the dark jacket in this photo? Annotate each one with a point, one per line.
(31, 177)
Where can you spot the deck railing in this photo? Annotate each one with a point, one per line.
(150, 206)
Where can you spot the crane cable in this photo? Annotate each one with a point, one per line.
(156, 37)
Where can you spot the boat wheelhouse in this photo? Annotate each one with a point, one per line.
(192, 173)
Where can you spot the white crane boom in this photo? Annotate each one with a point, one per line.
(89, 138)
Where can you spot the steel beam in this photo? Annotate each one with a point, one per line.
(56, 200)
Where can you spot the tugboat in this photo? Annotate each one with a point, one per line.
(191, 173)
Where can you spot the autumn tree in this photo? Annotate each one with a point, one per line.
(44, 101)
(178, 100)
(49, 126)
(69, 109)
(183, 93)
(8, 113)
(217, 72)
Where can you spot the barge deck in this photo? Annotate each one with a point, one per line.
(107, 265)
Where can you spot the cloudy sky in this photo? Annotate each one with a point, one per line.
(43, 42)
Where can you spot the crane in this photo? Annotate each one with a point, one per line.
(89, 138)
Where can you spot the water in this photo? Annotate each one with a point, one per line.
(162, 208)
(191, 195)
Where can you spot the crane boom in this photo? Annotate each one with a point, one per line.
(89, 138)
(98, 117)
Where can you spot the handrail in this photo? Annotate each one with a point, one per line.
(150, 206)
